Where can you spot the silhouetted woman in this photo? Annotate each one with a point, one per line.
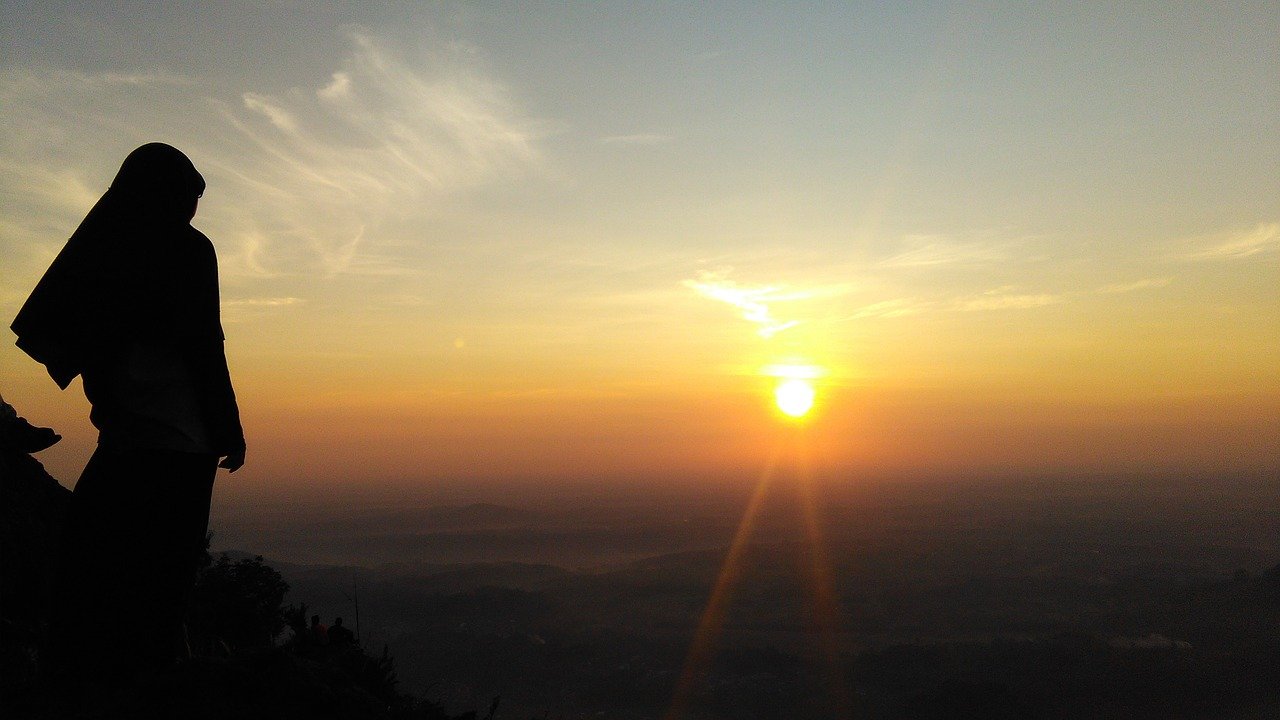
(131, 305)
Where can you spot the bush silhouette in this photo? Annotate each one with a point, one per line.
(236, 604)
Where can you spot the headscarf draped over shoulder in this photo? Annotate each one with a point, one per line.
(135, 269)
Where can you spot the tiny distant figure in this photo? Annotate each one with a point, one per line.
(339, 636)
(130, 304)
(19, 435)
(319, 633)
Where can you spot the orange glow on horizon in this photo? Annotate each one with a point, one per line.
(702, 648)
(793, 454)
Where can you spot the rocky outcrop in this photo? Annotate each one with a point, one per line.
(32, 508)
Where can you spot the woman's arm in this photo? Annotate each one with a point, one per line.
(218, 401)
(208, 361)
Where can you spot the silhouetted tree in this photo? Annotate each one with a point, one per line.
(237, 603)
(295, 618)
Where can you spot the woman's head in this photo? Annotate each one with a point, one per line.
(159, 178)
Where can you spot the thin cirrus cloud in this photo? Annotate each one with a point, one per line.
(1125, 287)
(756, 302)
(1009, 298)
(996, 299)
(331, 168)
(636, 139)
(60, 191)
(752, 301)
(1264, 238)
(263, 302)
(897, 307)
(236, 310)
(1000, 298)
(313, 182)
(936, 250)
(57, 157)
(1005, 298)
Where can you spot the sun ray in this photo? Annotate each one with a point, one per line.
(826, 605)
(818, 573)
(702, 648)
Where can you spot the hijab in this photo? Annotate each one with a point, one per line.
(133, 270)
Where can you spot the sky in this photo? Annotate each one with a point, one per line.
(476, 243)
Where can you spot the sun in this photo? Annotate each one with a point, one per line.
(794, 397)
(794, 393)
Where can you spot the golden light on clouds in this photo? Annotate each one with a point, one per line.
(794, 393)
(753, 301)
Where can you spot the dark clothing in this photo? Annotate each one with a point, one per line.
(339, 636)
(134, 535)
(71, 324)
(131, 304)
(135, 274)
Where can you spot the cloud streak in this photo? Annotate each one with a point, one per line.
(1264, 238)
(897, 307)
(263, 302)
(752, 301)
(636, 139)
(340, 178)
(937, 250)
(1004, 298)
(380, 143)
(1125, 287)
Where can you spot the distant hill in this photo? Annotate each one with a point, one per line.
(260, 680)
(475, 516)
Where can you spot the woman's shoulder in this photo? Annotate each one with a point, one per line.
(199, 237)
(199, 244)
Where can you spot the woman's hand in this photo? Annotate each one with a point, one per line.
(232, 462)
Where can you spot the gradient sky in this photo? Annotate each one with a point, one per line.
(567, 240)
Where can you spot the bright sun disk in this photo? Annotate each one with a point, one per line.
(794, 397)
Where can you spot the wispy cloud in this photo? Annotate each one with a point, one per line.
(897, 307)
(263, 302)
(277, 115)
(338, 89)
(1004, 298)
(934, 250)
(636, 139)
(381, 142)
(753, 301)
(1144, 284)
(309, 181)
(1236, 245)
(63, 188)
(17, 82)
(140, 79)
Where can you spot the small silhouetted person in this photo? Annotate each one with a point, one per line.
(319, 633)
(340, 636)
(130, 304)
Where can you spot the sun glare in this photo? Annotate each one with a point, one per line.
(794, 397)
(794, 393)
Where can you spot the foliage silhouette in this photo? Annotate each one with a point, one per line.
(236, 604)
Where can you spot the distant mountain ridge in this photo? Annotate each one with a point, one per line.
(283, 682)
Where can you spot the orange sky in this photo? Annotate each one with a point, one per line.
(462, 245)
